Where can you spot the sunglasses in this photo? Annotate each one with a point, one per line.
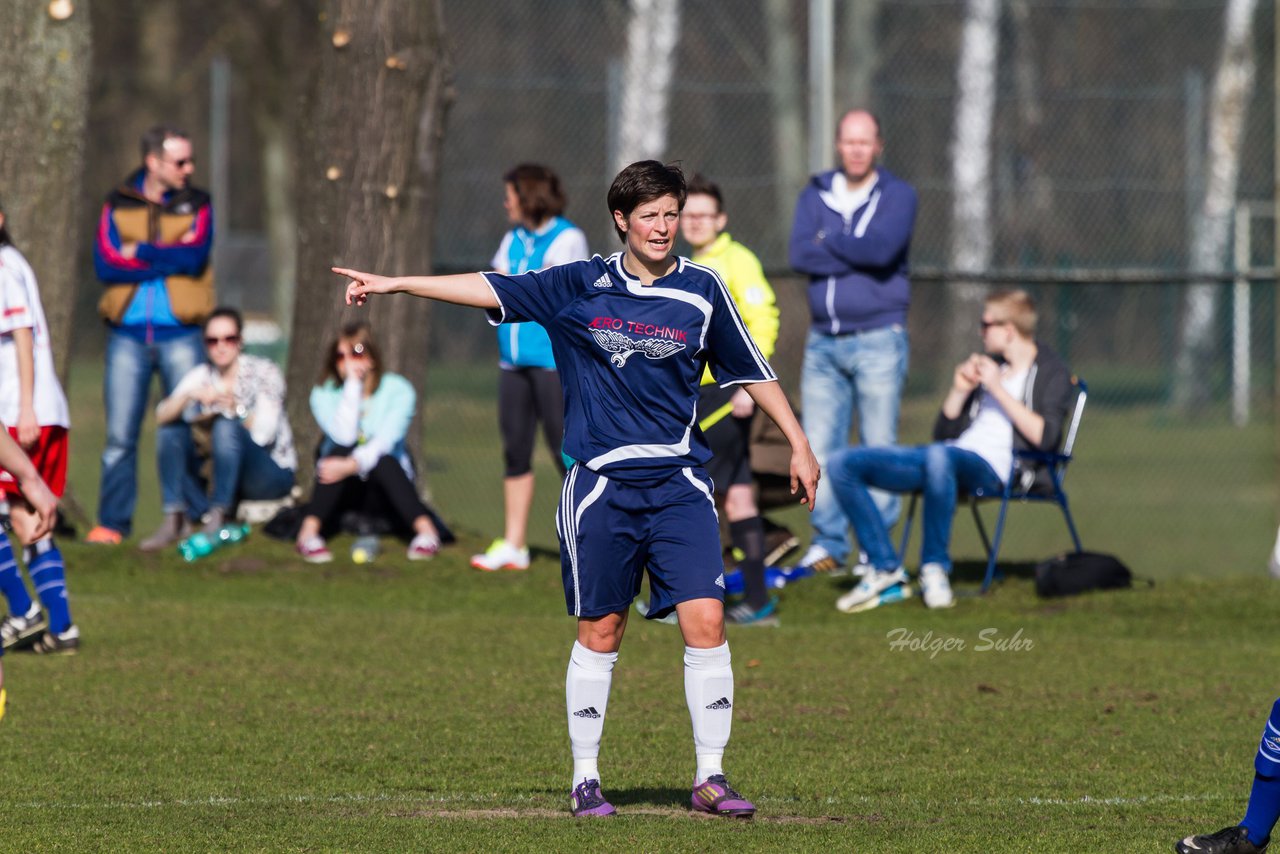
(987, 324)
(183, 163)
(213, 341)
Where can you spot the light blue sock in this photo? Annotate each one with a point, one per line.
(11, 583)
(1264, 800)
(50, 579)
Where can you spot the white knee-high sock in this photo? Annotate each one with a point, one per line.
(708, 689)
(586, 691)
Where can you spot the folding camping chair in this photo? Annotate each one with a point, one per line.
(1025, 484)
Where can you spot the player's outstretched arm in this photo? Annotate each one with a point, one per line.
(804, 465)
(463, 289)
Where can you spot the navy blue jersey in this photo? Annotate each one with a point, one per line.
(631, 355)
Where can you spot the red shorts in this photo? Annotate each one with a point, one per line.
(49, 454)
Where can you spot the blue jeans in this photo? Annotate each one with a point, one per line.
(939, 470)
(844, 374)
(126, 383)
(241, 469)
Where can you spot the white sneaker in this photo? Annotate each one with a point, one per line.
(869, 590)
(501, 555)
(935, 587)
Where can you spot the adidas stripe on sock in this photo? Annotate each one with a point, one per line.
(11, 583)
(708, 689)
(50, 579)
(586, 690)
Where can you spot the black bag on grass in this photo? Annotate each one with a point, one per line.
(1077, 572)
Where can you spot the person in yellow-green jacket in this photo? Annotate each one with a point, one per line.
(724, 413)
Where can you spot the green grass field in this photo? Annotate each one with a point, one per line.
(252, 702)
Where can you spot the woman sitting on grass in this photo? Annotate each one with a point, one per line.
(363, 466)
(229, 413)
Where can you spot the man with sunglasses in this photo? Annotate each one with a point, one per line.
(1014, 394)
(152, 252)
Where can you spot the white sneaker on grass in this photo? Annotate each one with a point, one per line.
(935, 586)
(868, 590)
(501, 555)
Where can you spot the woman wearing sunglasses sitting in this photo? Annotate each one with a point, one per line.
(363, 466)
(223, 435)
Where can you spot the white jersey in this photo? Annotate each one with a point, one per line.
(20, 308)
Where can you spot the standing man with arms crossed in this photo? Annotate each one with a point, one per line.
(851, 236)
(632, 334)
(151, 250)
(724, 414)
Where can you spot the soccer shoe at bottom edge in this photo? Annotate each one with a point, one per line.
(714, 795)
(587, 799)
(1229, 840)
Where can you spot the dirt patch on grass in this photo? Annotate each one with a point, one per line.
(662, 812)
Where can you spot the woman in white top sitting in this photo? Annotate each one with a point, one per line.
(239, 400)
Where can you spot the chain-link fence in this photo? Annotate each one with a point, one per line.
(1097, 162)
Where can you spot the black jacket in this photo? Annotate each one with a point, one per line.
(1048, 393)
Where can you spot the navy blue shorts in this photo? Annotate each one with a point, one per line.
(610, 532)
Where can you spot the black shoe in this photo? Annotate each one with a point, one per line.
(63, 643)
(1229, 840)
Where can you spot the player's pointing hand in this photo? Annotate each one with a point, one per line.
(364, 284)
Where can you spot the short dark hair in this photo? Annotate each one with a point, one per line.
(642, 182)
(154, 139)
(538, 189)
(699, 185)
(232, 314)
(5, 240)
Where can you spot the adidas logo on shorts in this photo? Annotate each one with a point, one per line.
(603, 282)
(720, 581)
(722, 703)
(590, 712)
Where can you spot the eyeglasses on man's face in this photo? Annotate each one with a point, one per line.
(987, 324)
(214, 340)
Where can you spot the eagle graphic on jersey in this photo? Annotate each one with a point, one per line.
(623, 347)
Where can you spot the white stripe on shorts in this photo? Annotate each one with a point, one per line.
(701, 487)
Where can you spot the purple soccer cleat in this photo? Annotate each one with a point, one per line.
(717, 797)
(587, 799)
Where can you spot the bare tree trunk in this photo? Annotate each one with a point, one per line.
(367, 180)
(279, 205)
(861, 52)
(42, 136)
(971, 240)
(787, 100)
(653, 32)
(1228, 108)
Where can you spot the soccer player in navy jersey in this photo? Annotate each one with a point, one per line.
(1253, 833)
(631, 335)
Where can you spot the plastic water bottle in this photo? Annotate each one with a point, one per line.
(364, 549)
(197, 545)
(234, 533)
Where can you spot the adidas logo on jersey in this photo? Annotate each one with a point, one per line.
(590, 712)
(722, 703)
(720, 581)
(603, 282)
